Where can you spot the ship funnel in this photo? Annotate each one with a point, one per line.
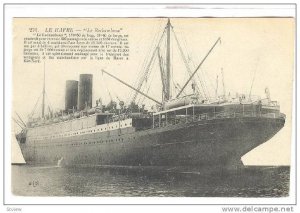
(85, 91)
(71, 95)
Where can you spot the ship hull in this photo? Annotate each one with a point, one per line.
(213, 144)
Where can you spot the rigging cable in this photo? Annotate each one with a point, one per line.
(145, 87)
(143, 71)
(194, 66)
(185, 61)
(33, 111)
(50, 105)
(254, 74)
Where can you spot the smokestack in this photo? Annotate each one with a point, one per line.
(71, 95)
(85, 91)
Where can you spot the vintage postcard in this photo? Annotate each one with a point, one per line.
(152, 106)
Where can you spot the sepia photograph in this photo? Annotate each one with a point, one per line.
(152, 107)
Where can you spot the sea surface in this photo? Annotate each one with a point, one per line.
(144, 182)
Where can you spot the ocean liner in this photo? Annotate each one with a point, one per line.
(186, 130)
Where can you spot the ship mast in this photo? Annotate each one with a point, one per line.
(168, 77)
(44, 91)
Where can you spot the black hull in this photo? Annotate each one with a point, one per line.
(216, 143)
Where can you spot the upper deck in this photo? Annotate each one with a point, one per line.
(80, 126)
(198, 112)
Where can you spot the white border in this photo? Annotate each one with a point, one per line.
(128, 11)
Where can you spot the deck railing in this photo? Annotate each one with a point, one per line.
(212, 116)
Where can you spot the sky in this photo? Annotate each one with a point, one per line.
(258, 50)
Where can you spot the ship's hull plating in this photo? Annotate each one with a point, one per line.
(214, 143)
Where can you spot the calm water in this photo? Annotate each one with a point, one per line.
(99, 181)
